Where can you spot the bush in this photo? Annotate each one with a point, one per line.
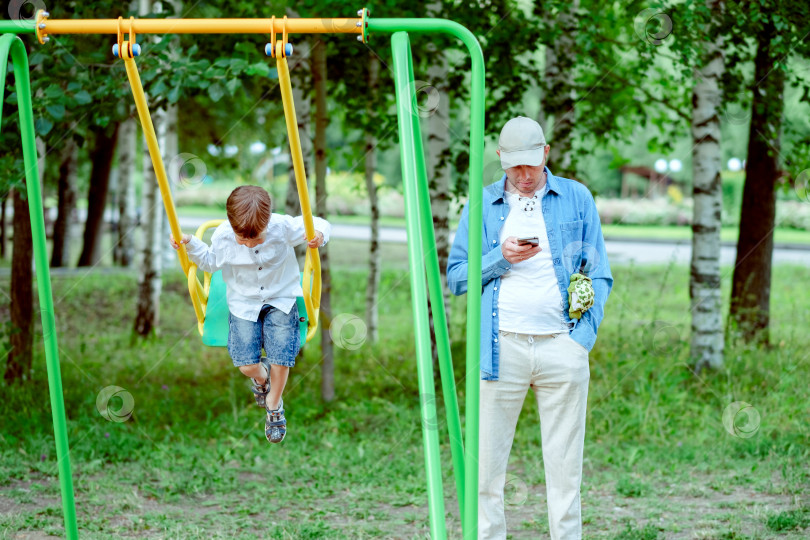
(644, 211)
(662, 211)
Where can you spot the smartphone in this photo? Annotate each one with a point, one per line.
(528, 240)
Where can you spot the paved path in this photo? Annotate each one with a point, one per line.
(620, 251)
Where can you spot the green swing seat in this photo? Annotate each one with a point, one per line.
(215, 327)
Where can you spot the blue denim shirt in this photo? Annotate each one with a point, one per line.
(575, 237)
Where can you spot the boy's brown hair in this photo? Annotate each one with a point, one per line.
(249, 209)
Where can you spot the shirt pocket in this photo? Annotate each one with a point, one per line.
(572, 245)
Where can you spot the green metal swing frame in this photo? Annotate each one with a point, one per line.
(423, 261)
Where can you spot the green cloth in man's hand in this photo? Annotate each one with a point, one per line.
(580, 295)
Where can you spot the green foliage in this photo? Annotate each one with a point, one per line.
(789, 520)
(649, 532)
(630, 487)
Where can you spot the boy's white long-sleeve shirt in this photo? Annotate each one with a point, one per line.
(265, 274)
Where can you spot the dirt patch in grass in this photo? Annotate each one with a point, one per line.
(663, 511)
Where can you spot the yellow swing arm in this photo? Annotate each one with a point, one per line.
(312, 263)
(198, 293)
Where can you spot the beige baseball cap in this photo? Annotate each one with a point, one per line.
(522, 142)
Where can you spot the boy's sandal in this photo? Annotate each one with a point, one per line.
(260, 390)
(275, 424)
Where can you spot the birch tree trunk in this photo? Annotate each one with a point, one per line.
(150, 280)
(3, 199)
(370, 164)
(321, 123)
(435, 108)
(125, 245)
(438, 163)
(66, 205)
(169, 149)
(751, 285)
(559, 92)
(170, 145)
(704, 285)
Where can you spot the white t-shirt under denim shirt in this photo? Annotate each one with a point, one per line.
(265, 274)
(529, 301)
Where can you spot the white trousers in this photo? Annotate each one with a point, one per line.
(556, 369)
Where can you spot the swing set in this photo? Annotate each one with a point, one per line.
(208, 296)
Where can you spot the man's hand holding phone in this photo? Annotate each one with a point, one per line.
(528, 240)
(517, 250)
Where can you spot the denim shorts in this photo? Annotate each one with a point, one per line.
(276, 331)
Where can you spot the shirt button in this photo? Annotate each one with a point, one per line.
(260, 268)
(256, 251)
(556, 261)
(494, 241)
(496, 288)
(262, 288)
(493, 314)
(501, 218)
(496, 340)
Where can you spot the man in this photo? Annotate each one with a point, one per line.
(538, 231)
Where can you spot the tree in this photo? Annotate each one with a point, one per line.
(318, 66)
(558, 91)
(19, 359)
(150, 279)
(779, 28)
(124, 251)
(3, 200)
(150, 274)
(369, 169)
(68, 163)
(435, 112)
(704, 283)
(101, 157)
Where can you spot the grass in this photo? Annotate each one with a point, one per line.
(789, 520)
(192, 460)
(727, 234)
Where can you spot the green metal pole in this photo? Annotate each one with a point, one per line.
(470, 524)
(19, 58)
(406, 103)
(431, 258)
(18, 27)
